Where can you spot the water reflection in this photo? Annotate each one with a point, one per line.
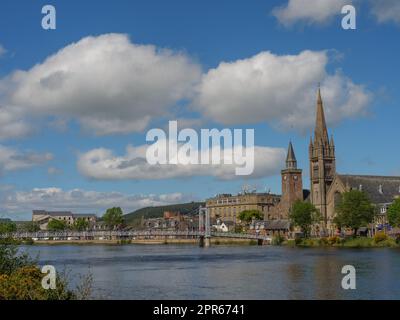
(189, 272)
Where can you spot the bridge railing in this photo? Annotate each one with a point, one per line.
(125, 234)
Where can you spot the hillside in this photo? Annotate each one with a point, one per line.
(134, 218)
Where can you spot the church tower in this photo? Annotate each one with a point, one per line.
(292, 185)
(322, 161)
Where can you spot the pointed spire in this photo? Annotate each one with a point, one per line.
(332, 143)
(291, 162)
(321, 132)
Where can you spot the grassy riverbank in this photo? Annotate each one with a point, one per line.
(359, 242)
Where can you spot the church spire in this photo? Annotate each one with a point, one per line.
(321, 132)
(291, 162)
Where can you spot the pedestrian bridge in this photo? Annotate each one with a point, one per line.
(129, 235)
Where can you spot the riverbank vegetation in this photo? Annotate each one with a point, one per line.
(21, 279)
(354, 211)
(380, 239)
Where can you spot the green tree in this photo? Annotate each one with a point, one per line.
(354, 210)
(31, 226)
(113, 217)
(80, 224)
(8, 226)
(394, 213)
(56, 225)
(304, 215)
(248, 215)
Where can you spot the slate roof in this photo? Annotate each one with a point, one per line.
(84, 215)
(52, 213)
(62, 214)
(380, 189)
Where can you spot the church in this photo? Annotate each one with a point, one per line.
(326, 184)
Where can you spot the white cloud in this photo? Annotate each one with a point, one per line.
(11, 159)
(280, 90)
(77, 200)
(386, 10)
(309, 12)
(13, 123)
(109, 84)
(2, 50)
(102, 164)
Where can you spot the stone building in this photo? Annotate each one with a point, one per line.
(327, 185)
(228, 207)
(43, 217)
(274, 207)
(322, 161)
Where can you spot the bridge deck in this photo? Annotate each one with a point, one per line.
(128, 235)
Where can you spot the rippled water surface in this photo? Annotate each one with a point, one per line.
(226, 272)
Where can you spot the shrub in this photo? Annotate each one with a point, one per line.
(298, 241)
(334, 240)
(379, 237)
(21, 279)
(29, 241)
(398, 239)
(277, 240)
(323, 241)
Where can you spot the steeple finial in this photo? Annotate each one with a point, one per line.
(321, 132)
(291, 162)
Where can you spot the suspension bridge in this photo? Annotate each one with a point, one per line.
(203, 234)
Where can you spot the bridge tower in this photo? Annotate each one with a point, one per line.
(204, 227)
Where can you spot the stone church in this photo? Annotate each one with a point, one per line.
(326, 185)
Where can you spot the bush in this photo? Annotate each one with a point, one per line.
(323, 241)
(29, 241)
(379, 237)
(277, 240)
(334, 240)
(298, 241)
(21, 279)
(398, 239)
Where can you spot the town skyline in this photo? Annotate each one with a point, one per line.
(49, 145)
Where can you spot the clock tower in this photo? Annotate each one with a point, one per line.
(292, 185)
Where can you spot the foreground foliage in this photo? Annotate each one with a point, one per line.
(21, 279)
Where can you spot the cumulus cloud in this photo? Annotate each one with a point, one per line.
(278, 89)
(13, 123)
(103, 164)
(309, 12)
(77, 200)
(386, 10)
(12, 159)
(107, 83)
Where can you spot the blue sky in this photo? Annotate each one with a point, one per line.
(43, 139)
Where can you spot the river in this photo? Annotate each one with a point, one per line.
(226, 272)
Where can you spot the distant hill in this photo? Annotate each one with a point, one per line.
(135, 217)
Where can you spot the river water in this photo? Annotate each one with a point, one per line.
(226, 272)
